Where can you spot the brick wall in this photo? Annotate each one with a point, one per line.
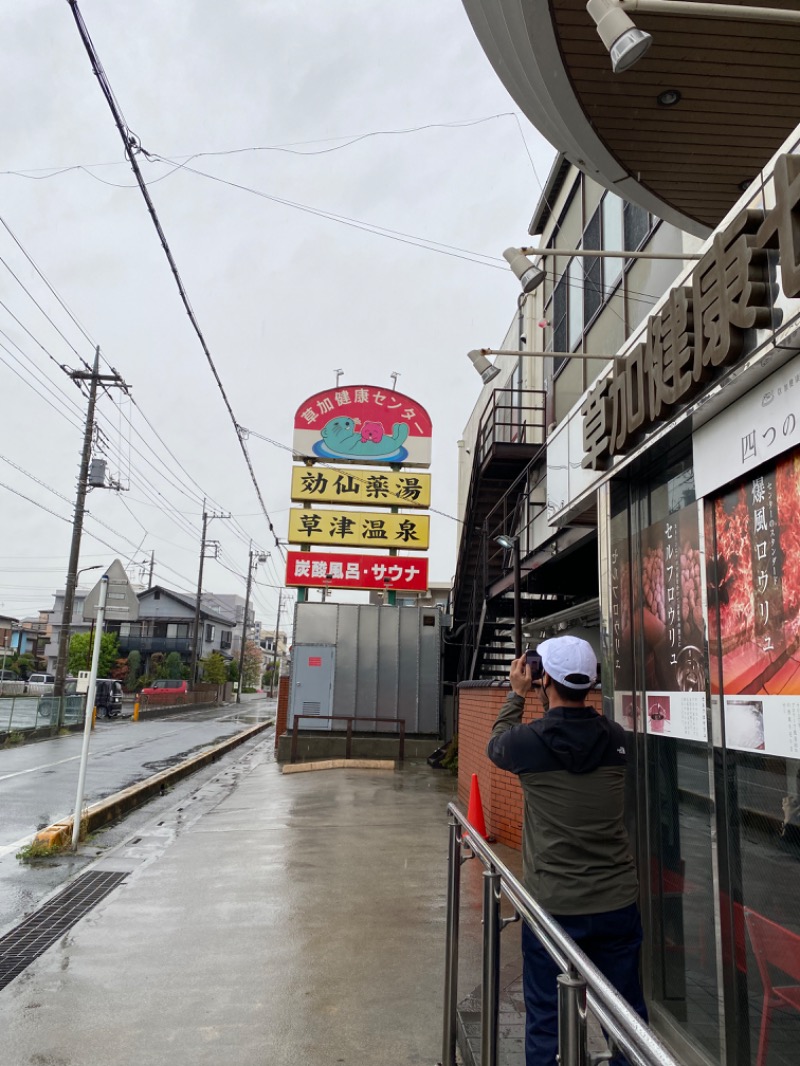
(501, 794)
(282, 713)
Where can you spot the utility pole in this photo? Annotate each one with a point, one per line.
(94, 377)
(152, 566)
(275, 648)
(260, 557)
(203, 544)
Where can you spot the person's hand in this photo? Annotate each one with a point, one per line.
(520, 676)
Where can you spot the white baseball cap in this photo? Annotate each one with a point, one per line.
(569, 660)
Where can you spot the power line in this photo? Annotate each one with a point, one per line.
(132, 148)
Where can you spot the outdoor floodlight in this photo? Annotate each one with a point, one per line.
(506, 542)
(530, 275)
(486, 370)
(625, 44)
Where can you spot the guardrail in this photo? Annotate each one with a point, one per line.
(26, 714)
(399, 722)
(582, 987)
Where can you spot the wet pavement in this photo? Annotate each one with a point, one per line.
(263, 919)
(38, 783)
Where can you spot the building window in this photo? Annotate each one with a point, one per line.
(613, 239)
(637, 224)
(225, 639)
(575, 302)
(210, 633)
(157, 594)
(177, 630)
(592, 269)
(558, 309)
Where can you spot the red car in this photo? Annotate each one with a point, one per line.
(165, 689)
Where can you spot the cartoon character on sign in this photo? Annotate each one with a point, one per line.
(342, 439)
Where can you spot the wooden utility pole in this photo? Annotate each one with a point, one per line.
(275, 648)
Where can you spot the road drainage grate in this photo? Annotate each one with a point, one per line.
(41, 930)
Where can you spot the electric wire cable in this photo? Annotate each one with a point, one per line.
(132, 147)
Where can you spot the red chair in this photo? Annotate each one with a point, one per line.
(775, 948)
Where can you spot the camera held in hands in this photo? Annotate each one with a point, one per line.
(533, 661)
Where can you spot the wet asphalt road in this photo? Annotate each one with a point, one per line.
(38, 783)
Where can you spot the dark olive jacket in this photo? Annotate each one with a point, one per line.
(576, 854)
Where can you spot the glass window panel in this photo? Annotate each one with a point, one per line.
(754, 638)
(559, 318)
(613, 239)
(575, 302)
(592, 270)
(637, 226)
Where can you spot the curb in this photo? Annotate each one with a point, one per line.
(114, 807)
(339, 764)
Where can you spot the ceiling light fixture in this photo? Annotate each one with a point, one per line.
(669, 98)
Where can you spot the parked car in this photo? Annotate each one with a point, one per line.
(41, 679)
(108, 697)
(166, 687)
(8, 675)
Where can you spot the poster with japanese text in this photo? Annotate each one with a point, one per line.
(373, 488)
(754, 608)
(358, 529)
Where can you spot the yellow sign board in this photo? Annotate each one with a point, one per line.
(369, 488)
(359, 529)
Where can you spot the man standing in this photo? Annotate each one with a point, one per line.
(576, 856)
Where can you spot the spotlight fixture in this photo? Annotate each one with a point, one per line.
(506, 542)
(745, 185)
(530, 275)
(625, 44)
(669, 98)
(487, 371)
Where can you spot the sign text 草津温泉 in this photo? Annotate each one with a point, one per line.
(703, 327)
(361, 529)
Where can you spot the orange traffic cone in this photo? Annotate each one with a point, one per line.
(475, 809)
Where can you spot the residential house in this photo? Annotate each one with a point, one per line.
(77, 624)
(32, 635)
(166, 624)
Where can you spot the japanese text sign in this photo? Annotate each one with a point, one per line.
(755, 428)
(363, 487)
(339, 571)
(362, 529)
(363, 424)
(704, 327)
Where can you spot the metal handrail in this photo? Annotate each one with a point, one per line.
(581, 984)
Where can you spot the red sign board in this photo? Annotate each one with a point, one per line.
(338, 571)
(315, 660)
(363, 424)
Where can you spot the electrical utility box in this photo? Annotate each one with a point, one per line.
(382, 662)
(97, 473)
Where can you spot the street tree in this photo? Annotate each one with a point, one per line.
(173, 665)
(134, 670)
(251, 667)
(214, 669)
(80, 653)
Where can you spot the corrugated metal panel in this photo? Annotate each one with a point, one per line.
(389, 662)
(409, 666)
(367, 679)
(347, 659)
(316, 623)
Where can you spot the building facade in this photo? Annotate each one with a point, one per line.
(667, 477)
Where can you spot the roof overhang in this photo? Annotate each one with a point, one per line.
(740, 96)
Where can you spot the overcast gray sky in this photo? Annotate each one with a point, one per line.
(284, 296)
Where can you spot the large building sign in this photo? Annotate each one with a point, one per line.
(363, 424)
(704, 327)
(345, 571)
(359, 529)
(375, 488)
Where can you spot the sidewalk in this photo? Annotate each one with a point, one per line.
(272, 919)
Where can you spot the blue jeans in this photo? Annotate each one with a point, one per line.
(612, 941)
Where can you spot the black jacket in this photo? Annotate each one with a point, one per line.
(571, 765)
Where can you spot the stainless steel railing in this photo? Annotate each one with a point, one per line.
(581, 986)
